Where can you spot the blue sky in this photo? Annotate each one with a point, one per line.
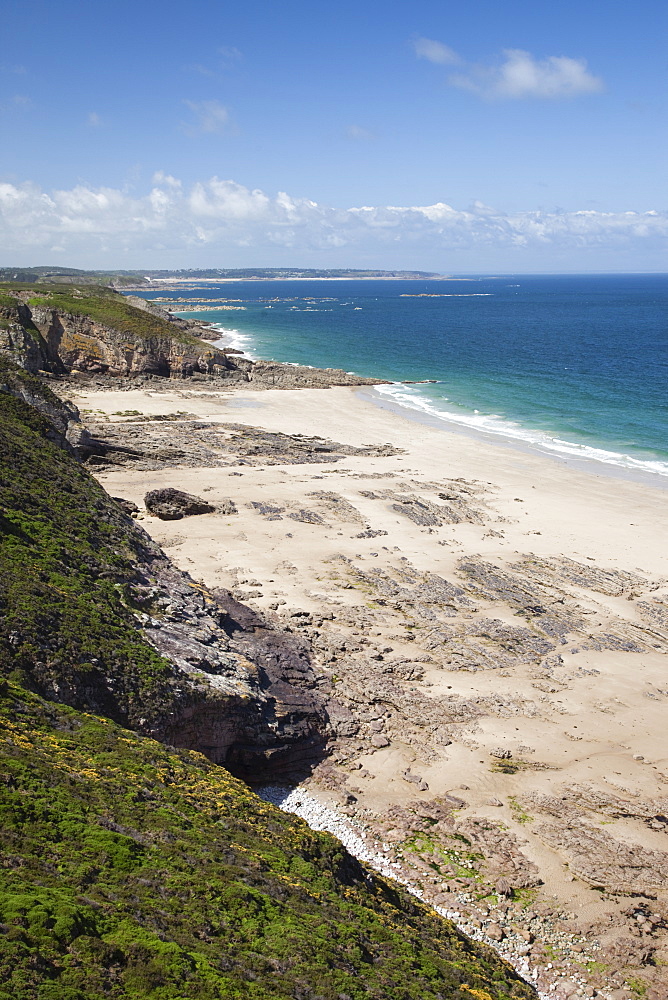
(144, 134)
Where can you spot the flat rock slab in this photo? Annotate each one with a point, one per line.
(171, 505)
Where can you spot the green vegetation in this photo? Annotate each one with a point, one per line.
(597, 968)
(7, 300)
(67, 560)
(505, 766)
(463, 862)
(132, 870)
(110, 308)
(526, 897)
(518, 813)
(67, 276)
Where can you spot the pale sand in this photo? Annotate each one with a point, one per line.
(584, 728)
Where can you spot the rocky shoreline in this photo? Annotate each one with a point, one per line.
(458, 648)
(445, 655)
(359, 840)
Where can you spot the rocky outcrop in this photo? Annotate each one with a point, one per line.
(64, 426)
(256, 710)
(94, 615)
(166, 440)
(274, 375)
(79, 342)
(171, 505)
(97, 330)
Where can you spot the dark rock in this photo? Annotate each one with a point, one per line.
(171, 505)
(128, 506)
(162, 441)
(226, 507)
(503, 887)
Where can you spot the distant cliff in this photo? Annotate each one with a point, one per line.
(95, 329)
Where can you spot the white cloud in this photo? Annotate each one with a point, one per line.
(517, 75)
(209, 117)
(230, 222)
(19, 102)
(159, 177)
(435, 52)
(359, 132)
(229, 56)
(520, 75)
(227, 201)
(93, 119)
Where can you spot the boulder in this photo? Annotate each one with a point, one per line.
(171, 505)
(379, 741)
(128, 506)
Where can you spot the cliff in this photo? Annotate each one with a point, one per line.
(95, 329)
(95, 332)
(93, 614)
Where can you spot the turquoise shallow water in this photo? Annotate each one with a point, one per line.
(575, 365)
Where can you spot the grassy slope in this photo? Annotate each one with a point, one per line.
(103, 305)
(111, 309)
(132, 870)
(67, 556)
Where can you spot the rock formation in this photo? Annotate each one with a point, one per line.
(97, 331)
(94, 614)
(171, 505)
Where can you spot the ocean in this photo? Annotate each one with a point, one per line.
(571, 365)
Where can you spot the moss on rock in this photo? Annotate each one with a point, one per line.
(134, 870)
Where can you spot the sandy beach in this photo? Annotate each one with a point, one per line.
(491, 627)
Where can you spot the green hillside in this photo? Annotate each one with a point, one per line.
(67, 560)
(134, 870)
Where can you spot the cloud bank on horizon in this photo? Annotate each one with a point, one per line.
(219, 222)
(392, 135)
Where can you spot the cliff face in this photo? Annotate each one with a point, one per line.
(93, 614)
(82, 343)
(97, 330)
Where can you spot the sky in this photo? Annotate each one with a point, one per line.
(518, 137)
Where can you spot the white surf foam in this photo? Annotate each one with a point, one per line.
(234, 339)
(413, 399)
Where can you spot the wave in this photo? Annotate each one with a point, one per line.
(414, 399)
(234, 339)
(417, 399)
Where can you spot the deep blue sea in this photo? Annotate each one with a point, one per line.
(573, 365)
